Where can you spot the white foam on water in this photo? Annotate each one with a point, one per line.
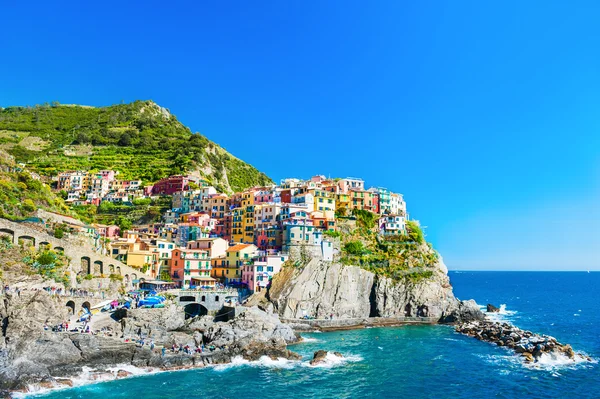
(308, 339)
(264, 361)
(502, 316)
(88, 376)
(552, 361)
(332, 360)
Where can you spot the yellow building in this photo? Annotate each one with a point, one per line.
(237, 225)
(324, 200)
(228, 269)
(342, 201)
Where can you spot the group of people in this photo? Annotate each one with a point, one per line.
(64, 327)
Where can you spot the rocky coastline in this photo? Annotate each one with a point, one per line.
(530, 346)
(32, 357)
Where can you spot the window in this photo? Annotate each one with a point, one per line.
(259, 268)
(269, 268)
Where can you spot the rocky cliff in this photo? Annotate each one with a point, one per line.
(321, 289)
(31, 355)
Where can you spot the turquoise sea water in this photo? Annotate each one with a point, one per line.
(413, 361)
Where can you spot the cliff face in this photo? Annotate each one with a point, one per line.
(321, 289)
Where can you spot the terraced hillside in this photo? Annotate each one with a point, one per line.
(21, 194)
(141, 140)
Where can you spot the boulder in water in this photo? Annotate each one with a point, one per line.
(318, 357)
(492, 309)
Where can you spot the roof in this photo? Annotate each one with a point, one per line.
(238, 247)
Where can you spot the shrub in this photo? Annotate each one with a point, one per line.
(332, 234)
(354, 248)
(28, 206)
(414, 231)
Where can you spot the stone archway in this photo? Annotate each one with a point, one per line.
(408, 310)
(133, 277)
(86, 305)
(71, 305)
(119, 270)
(111, 269)
(59, 250)
(44, 245)
(86, 265)
(98, 268)
(28, 241)
(195, 309)
(9, 233)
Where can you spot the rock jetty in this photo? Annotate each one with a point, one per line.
(532, 347)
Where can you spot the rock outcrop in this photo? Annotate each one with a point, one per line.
(29, 354)
(532, 347)
(321, 289)
(491, 308)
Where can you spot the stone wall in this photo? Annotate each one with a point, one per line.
(83, 258)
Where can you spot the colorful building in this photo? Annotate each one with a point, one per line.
(258, 274)
(191, 268)
(237, 256)
(170, 185)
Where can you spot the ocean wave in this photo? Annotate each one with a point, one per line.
(552, 361)
(501, 316)
(549, 362)
(264, 361)
(332, 360)
(308, 339)
(87, 376)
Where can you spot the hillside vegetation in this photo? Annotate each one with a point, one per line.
(141, 140)
(21, 194)
(402, 257)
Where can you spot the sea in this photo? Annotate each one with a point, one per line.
(412, 361)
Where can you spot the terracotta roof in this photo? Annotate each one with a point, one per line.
(238, 247)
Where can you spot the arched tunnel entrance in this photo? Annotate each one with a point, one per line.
(71, 306)
(8, 233)
(194, 310)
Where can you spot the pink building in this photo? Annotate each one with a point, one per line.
(170, 185)
(258, 275)
(261, 197)
(111, 231)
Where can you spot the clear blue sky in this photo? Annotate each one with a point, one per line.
(485, 115)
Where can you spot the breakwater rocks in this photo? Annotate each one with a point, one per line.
(532, 347)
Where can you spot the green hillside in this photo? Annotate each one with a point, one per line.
(141, 140)
(21, 194)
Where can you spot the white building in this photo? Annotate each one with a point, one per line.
(351, 183)
(392, 225)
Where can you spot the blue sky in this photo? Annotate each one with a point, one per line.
(485, 115)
